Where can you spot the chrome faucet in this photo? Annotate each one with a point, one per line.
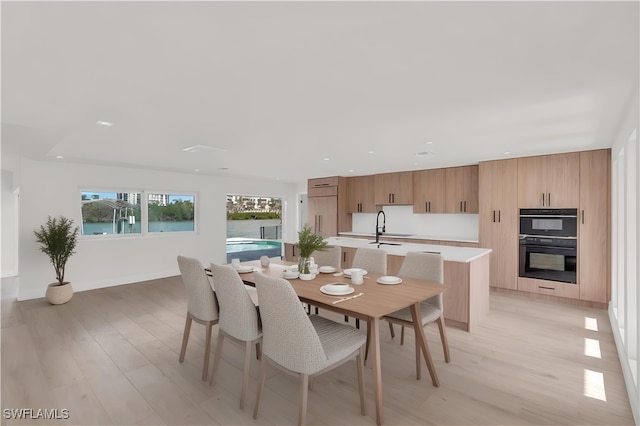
(384, 220)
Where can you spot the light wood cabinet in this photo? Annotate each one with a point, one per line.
(594, 219)
(347, 256)
(549, 288)
(429, 191)
(461, 185)
(458, 244)
(327, 206)
(361, 194)
(394, 188)
(549, 181)
(499, 220)
(291, 252)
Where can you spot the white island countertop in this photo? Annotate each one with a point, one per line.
(449, 253)
(409, 237)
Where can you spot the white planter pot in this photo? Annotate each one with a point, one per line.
(58, 294)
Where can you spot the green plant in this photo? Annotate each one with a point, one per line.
(308, 242)
(58, 239)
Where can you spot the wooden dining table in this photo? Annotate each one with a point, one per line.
(377, 301)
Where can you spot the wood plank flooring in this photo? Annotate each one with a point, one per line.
(110, 356)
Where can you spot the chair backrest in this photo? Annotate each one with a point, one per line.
(331, 256)
(424, 266)
(288, 337)
(201, 300)
(238, 314)
(374, 260)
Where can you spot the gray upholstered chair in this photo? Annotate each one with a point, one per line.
(331, 256)
(202, 306)
(239, 319)
(428, 267)
(373, 260)
(300, 344)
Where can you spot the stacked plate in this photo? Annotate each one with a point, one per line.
(243, 269)
(326, 269)
(337, 289)
(290, 275)
(389, 279)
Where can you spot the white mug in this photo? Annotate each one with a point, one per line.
(235, 263)
(356, 276)
(264, 261)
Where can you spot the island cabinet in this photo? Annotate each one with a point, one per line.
(499, 220)
(394, 188)
(347, 257)
(361, 194)
(291, 252)
(549, 181)
(594, 224)
(429, 191)
(326, 206)
(461, 185)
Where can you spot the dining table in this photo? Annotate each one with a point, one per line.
(376, 301)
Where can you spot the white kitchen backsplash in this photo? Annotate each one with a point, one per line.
(402, 220)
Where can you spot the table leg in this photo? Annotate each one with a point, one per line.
(374, 323)
(417, 324)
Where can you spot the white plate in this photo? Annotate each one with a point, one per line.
(290, 275)
(327, 269)
(388, 279)
(337, 289)
(244, 269)
(347, 272)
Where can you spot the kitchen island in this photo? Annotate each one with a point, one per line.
(466, 272)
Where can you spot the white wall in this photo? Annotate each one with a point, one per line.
(8, 231)
(401, 219)
(625, 274)
(48, 188)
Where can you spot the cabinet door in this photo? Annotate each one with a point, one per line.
(291, 252)
(594, 225)
(499, 220)
(532, 182)
(323, 215)
(470, 189)
(394, 188)
(347, 257)
(361, 194)
(429, 191)
(461, 189)
(563, 180)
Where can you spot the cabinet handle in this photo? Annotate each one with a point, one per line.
(321, 184)
(498, 215)
(549, 199)
(494, 216)
(344, 256)
(319, 224)
(546, 288)
(461, 206)
(429, 206)
(543, 199)
(389, 197)
(465, 206)
(426, 206)
(393, 198)
(583, 217)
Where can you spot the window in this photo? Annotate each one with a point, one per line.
(105, 213)
(171, 212)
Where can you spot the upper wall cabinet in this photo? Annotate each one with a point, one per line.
(429, 191)
(394, 188)
(361, 194)
(461, 189)
(549, 181)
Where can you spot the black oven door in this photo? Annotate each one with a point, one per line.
(549, 223)
(548, 262)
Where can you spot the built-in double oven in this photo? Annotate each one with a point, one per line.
(548, 244)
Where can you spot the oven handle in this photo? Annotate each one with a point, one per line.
(551, 249)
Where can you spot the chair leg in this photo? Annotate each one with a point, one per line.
(245, 373)
(185, 337)
(401, 335)
(443, 337)
(304, 391)
(393, 333)
(216, 357)
(418, 357)
(360, 362)
(207, 352)
(258, 351)
(261, 379)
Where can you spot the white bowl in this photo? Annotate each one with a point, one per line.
(290, 275)
(307, 277)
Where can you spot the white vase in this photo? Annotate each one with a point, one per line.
(57, 293)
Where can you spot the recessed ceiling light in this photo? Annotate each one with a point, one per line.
(277, 178)
(351, 171)
(196, 148)
(423, 153)
(223, 168)
(59, 156)
(326, 158)
(415, 164)
(196, 170)
(104, 123)
(372, 152)
(507, 152)
(428, 143)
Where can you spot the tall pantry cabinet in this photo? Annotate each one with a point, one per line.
(326, 206)
(499, 220)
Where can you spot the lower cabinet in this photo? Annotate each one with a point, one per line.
(347, 257)
(550, 288)
(291, 252)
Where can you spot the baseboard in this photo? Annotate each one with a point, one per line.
(78, 287)
(536, 296)
(632, 390)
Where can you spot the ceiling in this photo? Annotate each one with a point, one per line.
(294, 90)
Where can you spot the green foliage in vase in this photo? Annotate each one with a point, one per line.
(58, 238)
(308, 241)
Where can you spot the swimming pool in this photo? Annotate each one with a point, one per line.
(246, 249)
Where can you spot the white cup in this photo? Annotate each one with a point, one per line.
(356, 276)
(264, 261)
(235, 263)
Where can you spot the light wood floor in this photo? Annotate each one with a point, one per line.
(110, 356)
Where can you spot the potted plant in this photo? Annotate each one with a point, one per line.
(308, 242)
(58, 239)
